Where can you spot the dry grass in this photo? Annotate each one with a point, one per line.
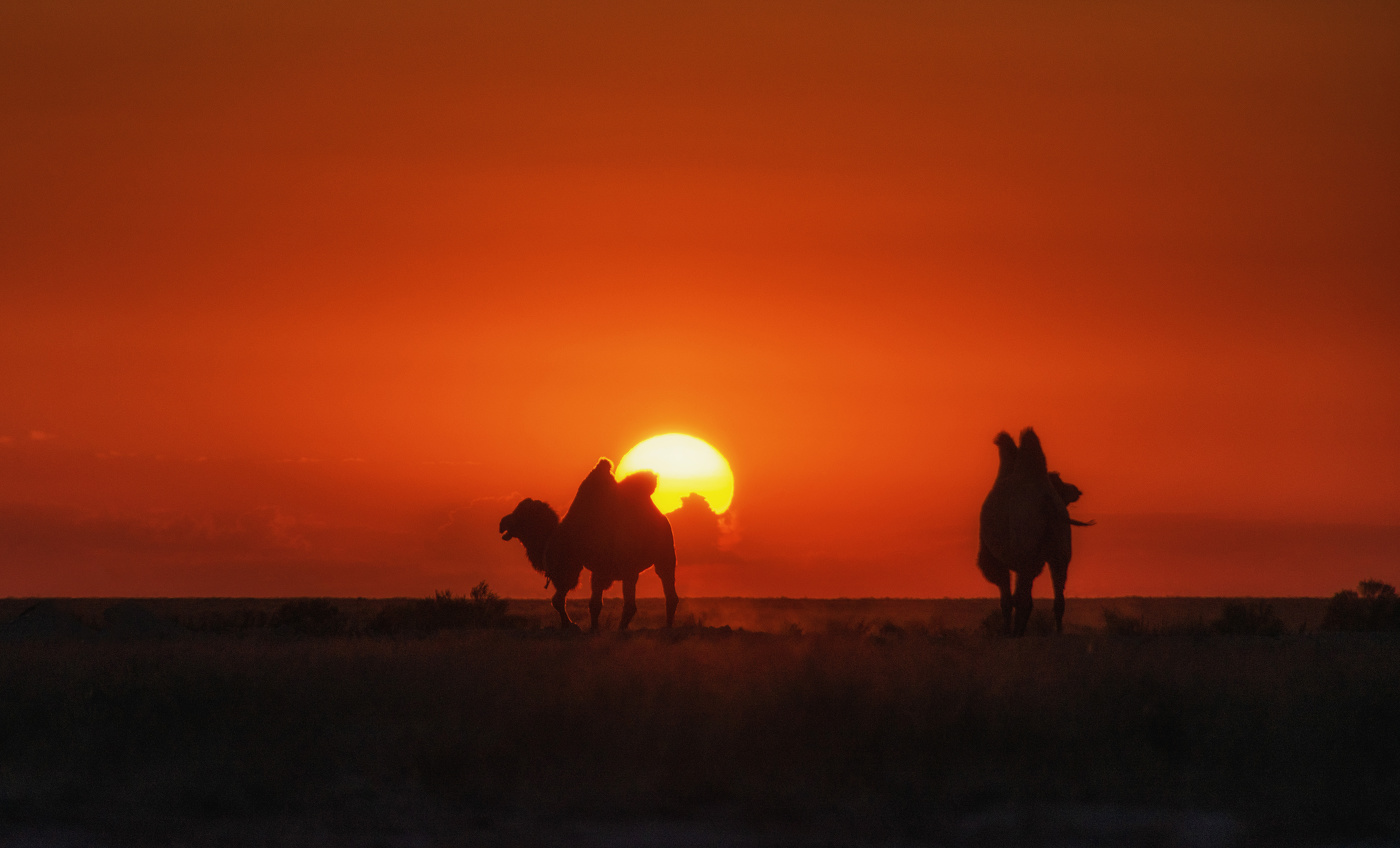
(856, 729)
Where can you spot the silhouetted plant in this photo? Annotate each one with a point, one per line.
(993, 625)
(310, 617)
(1249, 617)
(1117, 624)
(1041, 623)
(841, 627)
(1373, 607)
(890, 630)
(484, 609)
(693, 622)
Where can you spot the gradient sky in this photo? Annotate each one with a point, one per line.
(300, 298)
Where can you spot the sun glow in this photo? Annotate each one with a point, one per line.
(683, 464)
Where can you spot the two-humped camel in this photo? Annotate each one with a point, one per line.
(1024, 526)
(612, 528)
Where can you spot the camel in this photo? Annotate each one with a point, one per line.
(612, 528)
(1024, 526)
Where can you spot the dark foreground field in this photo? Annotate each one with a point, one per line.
(850, 723)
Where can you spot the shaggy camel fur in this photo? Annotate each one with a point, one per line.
(612, 528)
(1024, 526)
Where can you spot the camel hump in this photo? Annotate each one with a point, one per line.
(599, 482)
(638, 484)
(1030, 456)
(1006, 454)
(596, 495)
(601, 476)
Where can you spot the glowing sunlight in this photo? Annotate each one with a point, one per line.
(683, 464)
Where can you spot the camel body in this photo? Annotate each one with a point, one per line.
(1025, 525)
(612, 528)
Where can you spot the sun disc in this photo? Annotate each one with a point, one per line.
(683, 464)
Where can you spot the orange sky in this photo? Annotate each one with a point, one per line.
(300, 298)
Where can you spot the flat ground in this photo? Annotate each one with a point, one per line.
(819, 723)
(772, 615)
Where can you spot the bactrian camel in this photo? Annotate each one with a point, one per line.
(612, 528)
(1024, 526)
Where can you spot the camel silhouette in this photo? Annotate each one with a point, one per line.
(1025, 525)
(612, 528)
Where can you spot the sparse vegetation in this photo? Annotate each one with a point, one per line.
(848, 725)
(1255, 618)
(994, 624)
(1116, 623)
(310, 617)
(1373, 607)
(484, 609)
(879, 730)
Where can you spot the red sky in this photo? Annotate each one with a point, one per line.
(300, 298)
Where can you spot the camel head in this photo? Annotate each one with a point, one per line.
(533, 523)
(1068, 492)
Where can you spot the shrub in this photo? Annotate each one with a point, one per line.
(484, 609)
(310, 617)
(1374, 606)
(1041, 623)
(993, 625)
(1116, 623)
(1249, 617)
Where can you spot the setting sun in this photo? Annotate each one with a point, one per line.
(683, 464)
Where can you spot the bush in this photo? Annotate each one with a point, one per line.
(993, 624)
(1255, 618)
(484, 609)
(310, 617)
(1116, 623)
(1041, 623)
(1373, 607)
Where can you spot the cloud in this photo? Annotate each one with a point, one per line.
(67, 551)
(701, 535)
(50, 531)
(470, 533)
(41, 436)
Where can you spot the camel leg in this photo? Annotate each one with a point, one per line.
(666, 570)
(1005, 587)
(564, 623)
(629, 601)
(999, 576)
(1058, 574)
(595, 601)
(1023, 602)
